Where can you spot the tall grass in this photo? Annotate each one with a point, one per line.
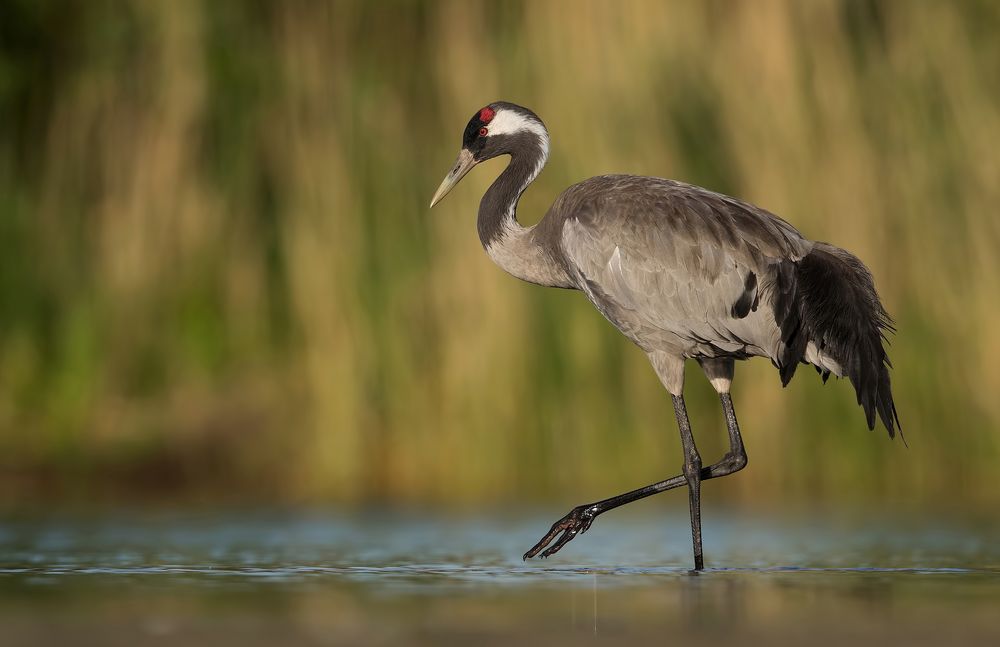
(219, 278)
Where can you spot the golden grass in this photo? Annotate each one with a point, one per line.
(221, 278)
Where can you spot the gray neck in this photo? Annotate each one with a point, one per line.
(513, 247)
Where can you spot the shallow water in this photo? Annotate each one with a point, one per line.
(402, 578)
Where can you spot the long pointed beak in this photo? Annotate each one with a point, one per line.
(463, 165)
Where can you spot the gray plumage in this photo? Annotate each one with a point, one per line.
(695, 274)
(668, 263)
(685, 273)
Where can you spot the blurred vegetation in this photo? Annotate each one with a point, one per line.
(219, 279)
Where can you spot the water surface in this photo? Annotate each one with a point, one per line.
(405, 578)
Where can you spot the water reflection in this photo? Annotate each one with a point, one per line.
(409, 578)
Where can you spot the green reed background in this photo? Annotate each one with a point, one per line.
(219, 279)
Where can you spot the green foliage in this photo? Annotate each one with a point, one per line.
(219, 277)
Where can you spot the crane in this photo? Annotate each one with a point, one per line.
(686, 274)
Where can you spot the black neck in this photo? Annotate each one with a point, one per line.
(498, 207)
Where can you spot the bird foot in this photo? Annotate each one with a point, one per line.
(576, 522)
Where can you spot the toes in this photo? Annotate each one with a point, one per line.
(543, 542)
(562, 541)
(533, 551)
(570, 526)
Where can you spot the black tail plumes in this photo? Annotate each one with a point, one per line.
(829, 298)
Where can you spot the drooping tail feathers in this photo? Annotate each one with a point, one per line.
(828, 299)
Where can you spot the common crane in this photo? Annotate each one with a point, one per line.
(685, 273)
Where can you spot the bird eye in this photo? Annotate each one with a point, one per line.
(483, 131)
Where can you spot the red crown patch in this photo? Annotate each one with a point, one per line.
(486, 114)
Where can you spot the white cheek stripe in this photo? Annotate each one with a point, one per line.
(505, 122)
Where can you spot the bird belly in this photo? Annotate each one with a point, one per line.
(668, 295)
(690, 338)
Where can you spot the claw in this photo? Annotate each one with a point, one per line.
(576, 522)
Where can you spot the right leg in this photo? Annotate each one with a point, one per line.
(719, 372)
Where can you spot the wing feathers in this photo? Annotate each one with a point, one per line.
(679, 268)
(662, 255)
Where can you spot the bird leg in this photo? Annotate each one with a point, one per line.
(579, 519)
(692, 475)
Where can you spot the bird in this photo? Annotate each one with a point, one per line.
(685, 273)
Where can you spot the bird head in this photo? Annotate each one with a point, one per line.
(500, 128)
